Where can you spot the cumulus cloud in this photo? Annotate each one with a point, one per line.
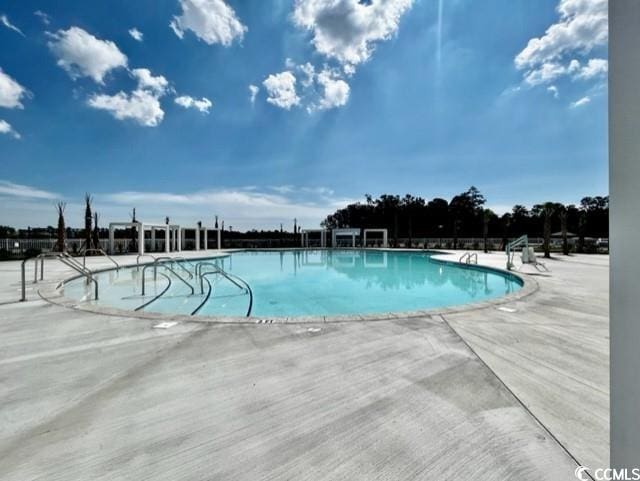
(321, 90)
(136, 34)
(81, 54)
(253, 92)
(158, 85)
(582, 27)
(203, 105)
(335, 91)
(11, 92)
(5, 21)
(580, 102)
(212, 21)
(596, 67)
(347, 30)
(281, 90)
(7, 129)
(142, 105)
(554, 91)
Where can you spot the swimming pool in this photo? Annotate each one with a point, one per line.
(289, 283)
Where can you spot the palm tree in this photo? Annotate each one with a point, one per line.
(547, 212)
(96, 232)
(88, 217)
(60, 206)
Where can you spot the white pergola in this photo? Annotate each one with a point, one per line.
(382, 231)
(346, 232)
(198, 231)
(141, 229)
(305, 237)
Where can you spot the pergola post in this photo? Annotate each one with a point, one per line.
(197, 238)
(140, 238)
(153, 239)
(167, 240)
(219, 245)
(206, 238)
(111, 239)
(179, 238)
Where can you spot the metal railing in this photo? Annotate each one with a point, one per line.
(520, 241)
(157, 264)
(63, 257)
(101, 252)
(469, 258)
(218, 271)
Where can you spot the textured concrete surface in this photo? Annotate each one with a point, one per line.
(89, 396)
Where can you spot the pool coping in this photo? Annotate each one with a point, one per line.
(52, 295)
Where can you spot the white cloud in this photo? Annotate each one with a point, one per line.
(212, 21)
(140, 106)
(11, 92)
(595, 67)
(554, 91)
(580, 102)
(136, 34)
(203, 105)
(244, 208)
(158, 85)
(582, 27)
(347, 30)
(5, 128)
(42, 16)
(5, 21)
(547, 72)
(335, 91)
(281, 90)
(18, 190)
(253, 92)
(310, 73)
(321, 90)
(81, 54)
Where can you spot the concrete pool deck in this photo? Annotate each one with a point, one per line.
(518, 391)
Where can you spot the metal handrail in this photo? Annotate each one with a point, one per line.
(218, 270)
(511, 245)
(177, 261)
(89, 277)
(156, 297)
(143, 255)
(63, 257)
(100, 251)
(247, 289)
(205, 300)
(155, 265)
(468, 257)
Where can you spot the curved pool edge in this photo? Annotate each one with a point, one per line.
(529, 286)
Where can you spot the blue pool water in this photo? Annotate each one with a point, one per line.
(299, 283)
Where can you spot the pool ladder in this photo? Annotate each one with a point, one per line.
(167, 263)
(469, 258)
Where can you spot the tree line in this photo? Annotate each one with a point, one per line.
(465, 215)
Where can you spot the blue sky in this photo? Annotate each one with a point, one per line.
(353, 97)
